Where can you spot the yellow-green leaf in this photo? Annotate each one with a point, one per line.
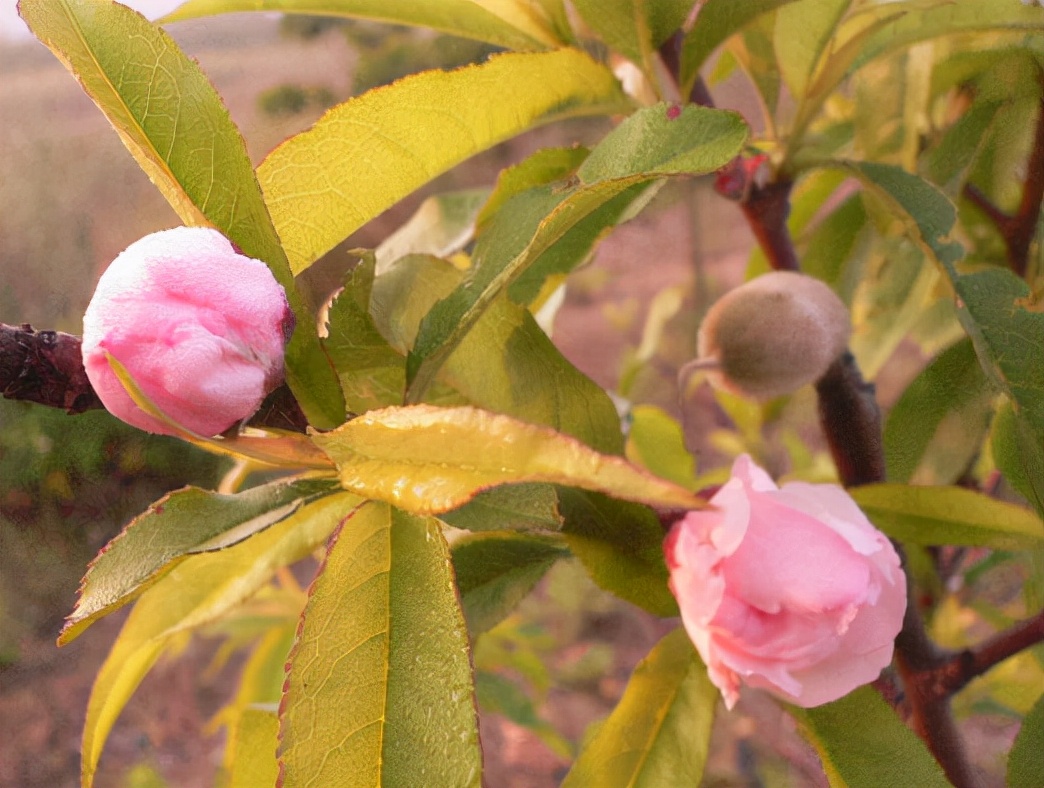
(379, 690)
(659, 733)
(949, 515)
(253, 758)
(199, 590)
(174, 123)
(512, 24)
(634, 28)
(180, 524)
(429, 460)
(801, 32)
(368, 153)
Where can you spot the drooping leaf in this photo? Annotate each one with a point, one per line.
(1018, 455)
(925, 211)
(167, 113)
(505, 23)
(180, 524)
(372, 372)
(521, 507)
(379, 687)
(620, 545)
(495, 570)
(801, 34)
(715, 22)
(199, 590)
(634, 28)
(429, 460)
(656, 441)
(864, 744)
(659, 732)
(375, 149)
(1025, 766)
(653, 142)
(949, 515)
(953, 386)
(506, 364)
(442, 226)
(254, 756)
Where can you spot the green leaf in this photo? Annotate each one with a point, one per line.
(166, 113)
(375, 149)
(429, 460)
(801, 34)
(833, 244)
(952, 387)
(509, 24)
(182, 523)
(656, 441)
(620, 545)
(653, 142)
(924, 210)
(545, 166)
(659, 732)
(497, 569)
(950, 160)
(1018, 456)
(1006, 322)
(863, 744)
(255, 740)
(498, 695)
(506, 364)
(371, 371)
(520, 507)
(379, 687)
(442, 226)
(717, 21)
(200, 590)
(634, 28)
(949, 515)
(1025, 766)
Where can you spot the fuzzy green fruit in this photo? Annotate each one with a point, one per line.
(772, 335)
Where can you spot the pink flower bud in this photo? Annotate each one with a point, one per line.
(200, 329)
(791, 590)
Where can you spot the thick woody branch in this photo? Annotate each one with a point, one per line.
(46, 367)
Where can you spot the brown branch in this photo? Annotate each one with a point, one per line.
(851, 420)
(958, 669)
(765, 206)
(46, 367)
(1017, 230)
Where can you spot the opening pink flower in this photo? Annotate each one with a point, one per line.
(200, 328)
(790, 590)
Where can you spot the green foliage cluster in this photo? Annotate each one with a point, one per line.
(479, 456)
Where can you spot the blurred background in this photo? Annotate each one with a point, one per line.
(71, 198)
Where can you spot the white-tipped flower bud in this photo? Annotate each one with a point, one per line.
(772, 335)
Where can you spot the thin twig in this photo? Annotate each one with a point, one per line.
(960, 668)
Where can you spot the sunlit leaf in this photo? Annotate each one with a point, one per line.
(620, 544)
(801, 34)
(198, 591)
(375, 149)
(379, 688)
(1025, 766)
(659, 732)
(506, 23)
(716, 21)
(654, 142)
(496, 570)
(953, 386)
(864, 744)
(949, 515)
(254, 755)
(634, 28)
(442, 226)
(180, 524)
(429, 460)
(167, 114)
(545, 166)
(656, 441)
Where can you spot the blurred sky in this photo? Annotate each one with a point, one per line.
(12, 27)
